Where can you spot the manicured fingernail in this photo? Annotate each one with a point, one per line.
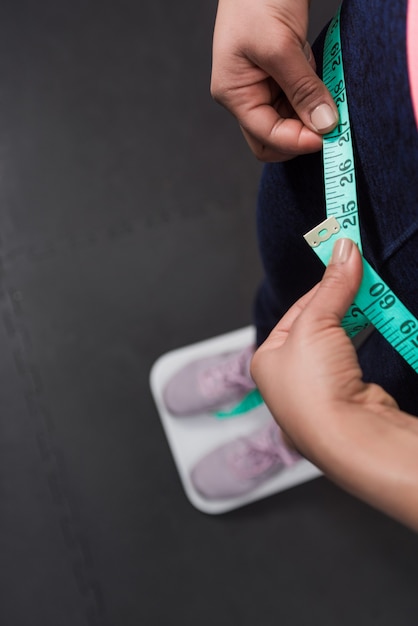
(342, 250)
(324, 118)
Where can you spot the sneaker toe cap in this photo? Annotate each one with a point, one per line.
(214, 479)
(181, 394)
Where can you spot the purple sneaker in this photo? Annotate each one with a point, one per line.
(238, 467)
(210, 383)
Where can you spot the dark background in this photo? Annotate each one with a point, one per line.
(127, 229)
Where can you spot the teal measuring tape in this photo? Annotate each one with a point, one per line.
(375, 302)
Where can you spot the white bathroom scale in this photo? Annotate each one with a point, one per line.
(190, 438)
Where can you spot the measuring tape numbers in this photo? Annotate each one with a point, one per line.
(375, 302)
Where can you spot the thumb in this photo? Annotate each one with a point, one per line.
(305, 91)
(340, 282)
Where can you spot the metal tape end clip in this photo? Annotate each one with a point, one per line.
(322, 232)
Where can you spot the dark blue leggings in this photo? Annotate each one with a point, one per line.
(291, 195)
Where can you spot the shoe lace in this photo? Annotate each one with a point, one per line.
(257, 454)
(232, 372)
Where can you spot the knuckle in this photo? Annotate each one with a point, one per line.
(304, 90)
(335, 277)
(264, 154)
(380, 397)
(263, 157)
(215, 91)
(260, 153)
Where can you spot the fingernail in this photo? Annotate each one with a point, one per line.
(324, 118)
(341, 251)
(307, 51)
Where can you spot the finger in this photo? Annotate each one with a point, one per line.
(273, 138)
(263, 152)
(374, 394)
(280, 332)
(306, 92)
(340, 283)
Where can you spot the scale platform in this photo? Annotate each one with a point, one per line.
(190, 438)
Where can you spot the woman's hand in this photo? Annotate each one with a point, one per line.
(308, 366)
(309, 376)
(264, 73)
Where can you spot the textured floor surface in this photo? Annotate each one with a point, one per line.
(127, 230)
